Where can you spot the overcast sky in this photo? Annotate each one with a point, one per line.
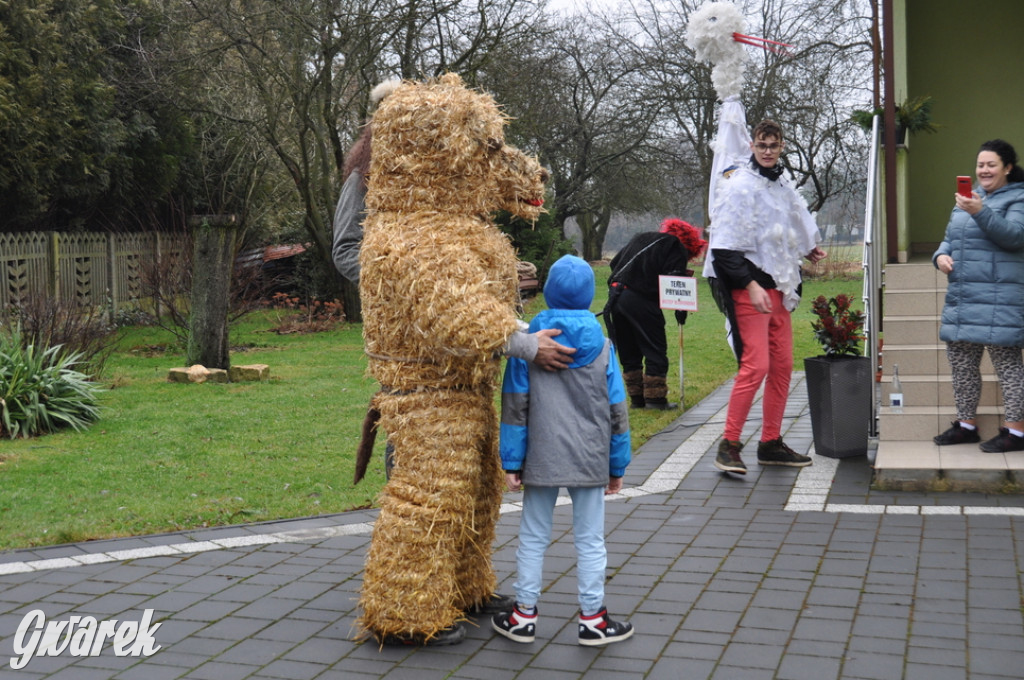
(577, 6)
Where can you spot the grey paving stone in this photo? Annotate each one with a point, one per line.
(872, 666)
(810, 628)
(673, 669)
(1007, 663)
(712, 573)
(216, 670)
(833, 649)
(711, 621)
(926, 671)
(723, 672)
(145, 671)
(753, 656)
(799, 667)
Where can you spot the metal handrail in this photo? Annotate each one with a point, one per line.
(872, 262)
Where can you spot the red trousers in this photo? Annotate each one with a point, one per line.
(767, 358)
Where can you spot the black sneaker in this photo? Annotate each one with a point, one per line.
(492, 605)
(452, 635)
(775, 452)
(515, 625)
(728, 458)
(957, 434)
(1003, 442)
(600, 629)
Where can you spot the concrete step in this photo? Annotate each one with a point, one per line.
(906, 457)
(914, 302)
(921, 423)
(926, 359)
(923, 466)
(911, 330)
(914, 276)
(931, 390)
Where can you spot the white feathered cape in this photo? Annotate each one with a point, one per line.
(768, 222)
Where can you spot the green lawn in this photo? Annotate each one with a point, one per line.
(168, 457)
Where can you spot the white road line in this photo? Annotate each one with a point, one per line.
(809, 494)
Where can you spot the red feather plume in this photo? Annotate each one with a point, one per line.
(687, 234)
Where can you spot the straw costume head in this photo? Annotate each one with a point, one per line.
(439, 293)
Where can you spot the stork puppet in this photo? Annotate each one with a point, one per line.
(716, 33)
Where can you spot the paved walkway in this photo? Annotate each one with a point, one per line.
(784, 574)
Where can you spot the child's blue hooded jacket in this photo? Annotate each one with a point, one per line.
(567, 428)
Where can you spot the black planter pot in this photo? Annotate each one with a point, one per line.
(839, 397)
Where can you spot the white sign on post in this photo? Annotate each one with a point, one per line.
(678, 292)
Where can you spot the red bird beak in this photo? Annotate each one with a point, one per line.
(763, 43)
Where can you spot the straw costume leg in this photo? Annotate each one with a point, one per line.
(430, 554)
(477, 579)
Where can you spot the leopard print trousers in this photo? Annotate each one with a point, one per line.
(965, 362)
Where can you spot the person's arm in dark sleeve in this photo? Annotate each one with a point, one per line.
(732, 268)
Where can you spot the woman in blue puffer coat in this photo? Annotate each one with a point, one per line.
(983, 256)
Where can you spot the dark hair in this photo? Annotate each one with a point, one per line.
(358, 158)
(1007, 155)
(767, 128)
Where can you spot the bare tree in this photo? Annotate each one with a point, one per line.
(578, 98)
(296, 76)
(810, 89)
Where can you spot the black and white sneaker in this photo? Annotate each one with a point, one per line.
(515, 625)
(601, 629)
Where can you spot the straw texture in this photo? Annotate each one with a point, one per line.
(439, 292)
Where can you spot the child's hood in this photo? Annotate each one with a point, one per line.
(569, 292)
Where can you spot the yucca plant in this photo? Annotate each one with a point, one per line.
(40, 391)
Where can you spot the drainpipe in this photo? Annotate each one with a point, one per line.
(889, 133)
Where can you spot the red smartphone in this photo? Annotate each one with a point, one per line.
(963, 186)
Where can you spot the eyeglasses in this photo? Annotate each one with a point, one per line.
(771, 148)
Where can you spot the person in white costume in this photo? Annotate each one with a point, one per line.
(761, 229)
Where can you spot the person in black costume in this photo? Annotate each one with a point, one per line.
(633, 316)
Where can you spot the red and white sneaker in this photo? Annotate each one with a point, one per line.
(601, 629)
(515, 625)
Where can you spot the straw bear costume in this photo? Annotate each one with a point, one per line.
(439, 290)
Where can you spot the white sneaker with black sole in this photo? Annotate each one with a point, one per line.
(601, 629)
(515, 625)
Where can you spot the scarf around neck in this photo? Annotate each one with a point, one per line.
(773, 173)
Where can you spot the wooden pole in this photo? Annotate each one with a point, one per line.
(682, 373)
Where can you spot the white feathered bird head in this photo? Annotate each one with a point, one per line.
(716, 34)
(383, 89)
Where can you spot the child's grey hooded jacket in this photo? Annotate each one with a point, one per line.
(567, 428)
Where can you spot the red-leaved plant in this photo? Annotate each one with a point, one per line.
(838, 329)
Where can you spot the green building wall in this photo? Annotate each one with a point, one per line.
(969, 57)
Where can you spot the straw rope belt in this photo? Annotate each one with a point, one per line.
(425, 360)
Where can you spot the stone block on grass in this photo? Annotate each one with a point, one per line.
(249, 373)
(197, 374)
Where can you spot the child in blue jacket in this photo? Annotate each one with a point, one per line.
(569, 429)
